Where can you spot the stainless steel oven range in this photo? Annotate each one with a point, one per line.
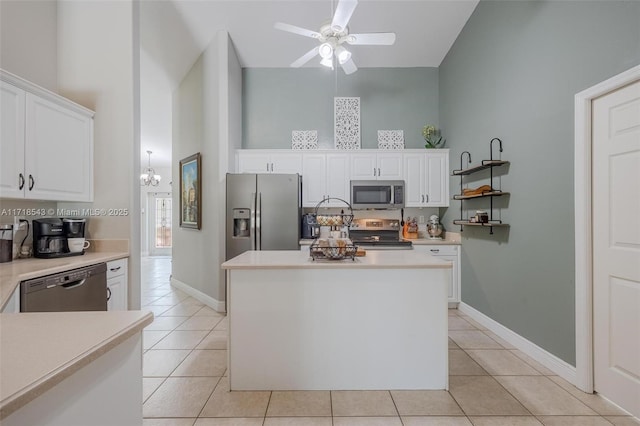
(378, 234)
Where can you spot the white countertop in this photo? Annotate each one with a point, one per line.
(11, 273)
(39, 350)
(295, 259)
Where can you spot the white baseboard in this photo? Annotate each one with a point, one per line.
(216, 305)
(552, 362)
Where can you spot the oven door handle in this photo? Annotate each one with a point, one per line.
(74, 284)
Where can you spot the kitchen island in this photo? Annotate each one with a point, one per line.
(374, 322)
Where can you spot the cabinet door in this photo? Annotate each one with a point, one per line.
(286, 163)
(249, 162)
(437, 183)
(11, 141)
(363, 166)
(118, 289)
(389, 166)
(58, 152)
(314, 179)
(414, 177)
(338, 178)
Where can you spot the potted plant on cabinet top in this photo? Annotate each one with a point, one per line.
(432, 137)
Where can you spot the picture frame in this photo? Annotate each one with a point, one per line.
(191, 192)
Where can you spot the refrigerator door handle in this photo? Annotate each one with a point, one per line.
(252, 221)
(258, 216)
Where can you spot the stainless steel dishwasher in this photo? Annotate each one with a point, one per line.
(82, 289)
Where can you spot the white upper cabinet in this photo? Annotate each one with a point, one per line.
(426, 176)
(47, 144)
(376, 166)
(12, 179)
(325, 176)
(327, 173)
(269, 161)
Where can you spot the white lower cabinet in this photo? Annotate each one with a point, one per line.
(117, 285)
(452, 254)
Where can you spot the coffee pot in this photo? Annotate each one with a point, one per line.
(434, 228)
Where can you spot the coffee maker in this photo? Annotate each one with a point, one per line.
(50, 236)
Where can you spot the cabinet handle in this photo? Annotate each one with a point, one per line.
(271, 166)
(423, 198)
(32, 182)
(115, 269)
(427, 198)
(379, 172)
(21, 181)
(435, 250)
(267, 166)
(374, 171)
(108, 294)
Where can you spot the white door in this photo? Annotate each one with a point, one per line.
(12, 178)
(616, 246)
(437, 190)
(160, 206)
(363, 166)
(390, 166)
(414, 179)
(249, 162)
(58, 152)
(314, 179)
(338, 183)
(286, 163)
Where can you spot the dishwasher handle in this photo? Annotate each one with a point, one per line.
(73, 284)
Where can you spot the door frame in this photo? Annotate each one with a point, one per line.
(151, 220)
(583, 222)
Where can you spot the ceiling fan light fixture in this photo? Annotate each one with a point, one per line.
(327, 62)
(342, 54)
(325, 50)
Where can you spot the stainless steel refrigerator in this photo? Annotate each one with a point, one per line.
(263, 212)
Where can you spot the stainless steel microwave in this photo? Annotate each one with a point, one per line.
(377, 194)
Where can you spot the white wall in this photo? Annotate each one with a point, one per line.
(96, 69)
(205, 119)
(28, 40)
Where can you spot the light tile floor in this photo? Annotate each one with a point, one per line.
(491, 382)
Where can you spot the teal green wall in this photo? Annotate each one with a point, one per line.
(276, 101)
(513, 73)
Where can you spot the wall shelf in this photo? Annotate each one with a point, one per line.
(485, 164)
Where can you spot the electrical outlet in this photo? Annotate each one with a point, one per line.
(17, 225)
(421, 219)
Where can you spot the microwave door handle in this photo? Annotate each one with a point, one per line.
(252, 221)
(393, 194)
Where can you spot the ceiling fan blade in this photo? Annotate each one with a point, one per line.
(296, 30)
(349, 67)
(386, 39)
(305, 58)
(343, 14)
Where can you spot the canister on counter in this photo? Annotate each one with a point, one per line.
(6, 243)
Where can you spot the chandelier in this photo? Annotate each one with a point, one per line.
(149, 176)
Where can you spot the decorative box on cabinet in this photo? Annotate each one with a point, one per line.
(452, 254)
(117, 285)
(40, 132)
(269, 161)
(325, 175)
(426, 178)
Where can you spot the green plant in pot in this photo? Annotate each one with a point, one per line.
(432, 137)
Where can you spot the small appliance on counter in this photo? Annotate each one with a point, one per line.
(6, 243)
(50, 236)
(310, 228)
(434, 228)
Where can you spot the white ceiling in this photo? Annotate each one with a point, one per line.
(175, 32)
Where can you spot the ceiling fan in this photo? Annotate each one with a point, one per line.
(332, 37)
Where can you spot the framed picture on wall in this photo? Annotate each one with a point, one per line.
(190, 192)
